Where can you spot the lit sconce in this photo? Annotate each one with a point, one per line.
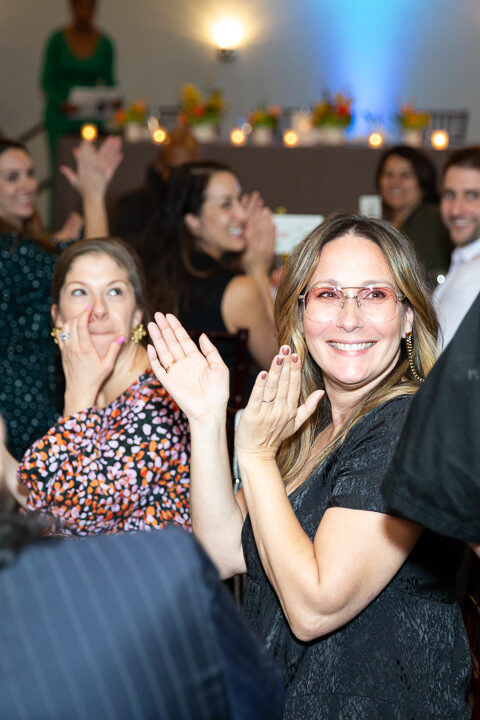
(237, 136)
(290, 138)
(375, 139)
(89, 132)
(227, 36)
(439, 139)
(159, 135)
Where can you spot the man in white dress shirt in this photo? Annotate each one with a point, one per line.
(460, 210)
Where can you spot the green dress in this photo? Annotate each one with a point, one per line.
(61, 72)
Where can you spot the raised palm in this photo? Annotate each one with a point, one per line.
(197, 380)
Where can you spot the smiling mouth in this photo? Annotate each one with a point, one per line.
(460, 222)
(235, 232)
(351, 347)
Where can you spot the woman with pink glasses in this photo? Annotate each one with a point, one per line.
(358, 605)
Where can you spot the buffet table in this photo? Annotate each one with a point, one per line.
(315, 180)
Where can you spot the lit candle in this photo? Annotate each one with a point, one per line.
(237, 136)
(159, 135)
(439, 139)
(89, 132)
(375, 139)
(290, 138)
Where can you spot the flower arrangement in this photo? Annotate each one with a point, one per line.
(333, 111)
(265, 116)
(411, 119)
(196, 110)
(135, 113)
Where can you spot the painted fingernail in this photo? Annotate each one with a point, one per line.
(120, 340)
(295, 358)
(279, 360)
(285, 349)
(263, 375)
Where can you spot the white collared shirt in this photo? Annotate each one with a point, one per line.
(454, 297)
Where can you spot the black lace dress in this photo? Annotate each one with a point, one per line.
(406, 655)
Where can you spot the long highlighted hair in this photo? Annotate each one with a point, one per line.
(412, 282)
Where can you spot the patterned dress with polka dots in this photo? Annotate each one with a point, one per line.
(32, 379)
(125, 467)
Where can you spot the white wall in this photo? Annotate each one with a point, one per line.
(382, 51)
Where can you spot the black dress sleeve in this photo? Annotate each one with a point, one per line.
(363, 459)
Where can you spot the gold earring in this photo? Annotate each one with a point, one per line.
(411, 356)
(138, 333)
(55, 332)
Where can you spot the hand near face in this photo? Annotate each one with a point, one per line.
(273, 413)
(196, 379)
(95, 168)
(259, 235)
(252, 202)
(85, 370)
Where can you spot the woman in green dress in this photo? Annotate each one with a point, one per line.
(78, 55)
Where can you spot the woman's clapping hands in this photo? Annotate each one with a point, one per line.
(273, 413)
(259, 234)
(95, 168)
(198, 380)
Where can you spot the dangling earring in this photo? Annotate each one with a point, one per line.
(138, 333)
(411, 356)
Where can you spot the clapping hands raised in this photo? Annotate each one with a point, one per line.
(273, 413)
(197, 379)
(95, 168)
(260, 236)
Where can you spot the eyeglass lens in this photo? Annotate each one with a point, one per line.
(325, 303)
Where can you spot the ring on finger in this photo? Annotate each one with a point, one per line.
(64, 335)
(170, 365)
(268, 401)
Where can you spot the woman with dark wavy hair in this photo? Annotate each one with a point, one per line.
(406, 179)
(208, 257)
(358, 605)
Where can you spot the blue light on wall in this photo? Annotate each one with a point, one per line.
(369, 54)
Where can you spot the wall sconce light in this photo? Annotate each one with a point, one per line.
(89, 132)
(375, 139)
(439, 139)
(227, 36)
(290, 138)
(159, 135)
(237, 136)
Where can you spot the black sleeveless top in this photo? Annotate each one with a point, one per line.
(200, 310)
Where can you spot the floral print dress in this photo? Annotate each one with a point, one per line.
(125, 467)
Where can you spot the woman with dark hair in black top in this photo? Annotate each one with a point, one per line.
(208, 256)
